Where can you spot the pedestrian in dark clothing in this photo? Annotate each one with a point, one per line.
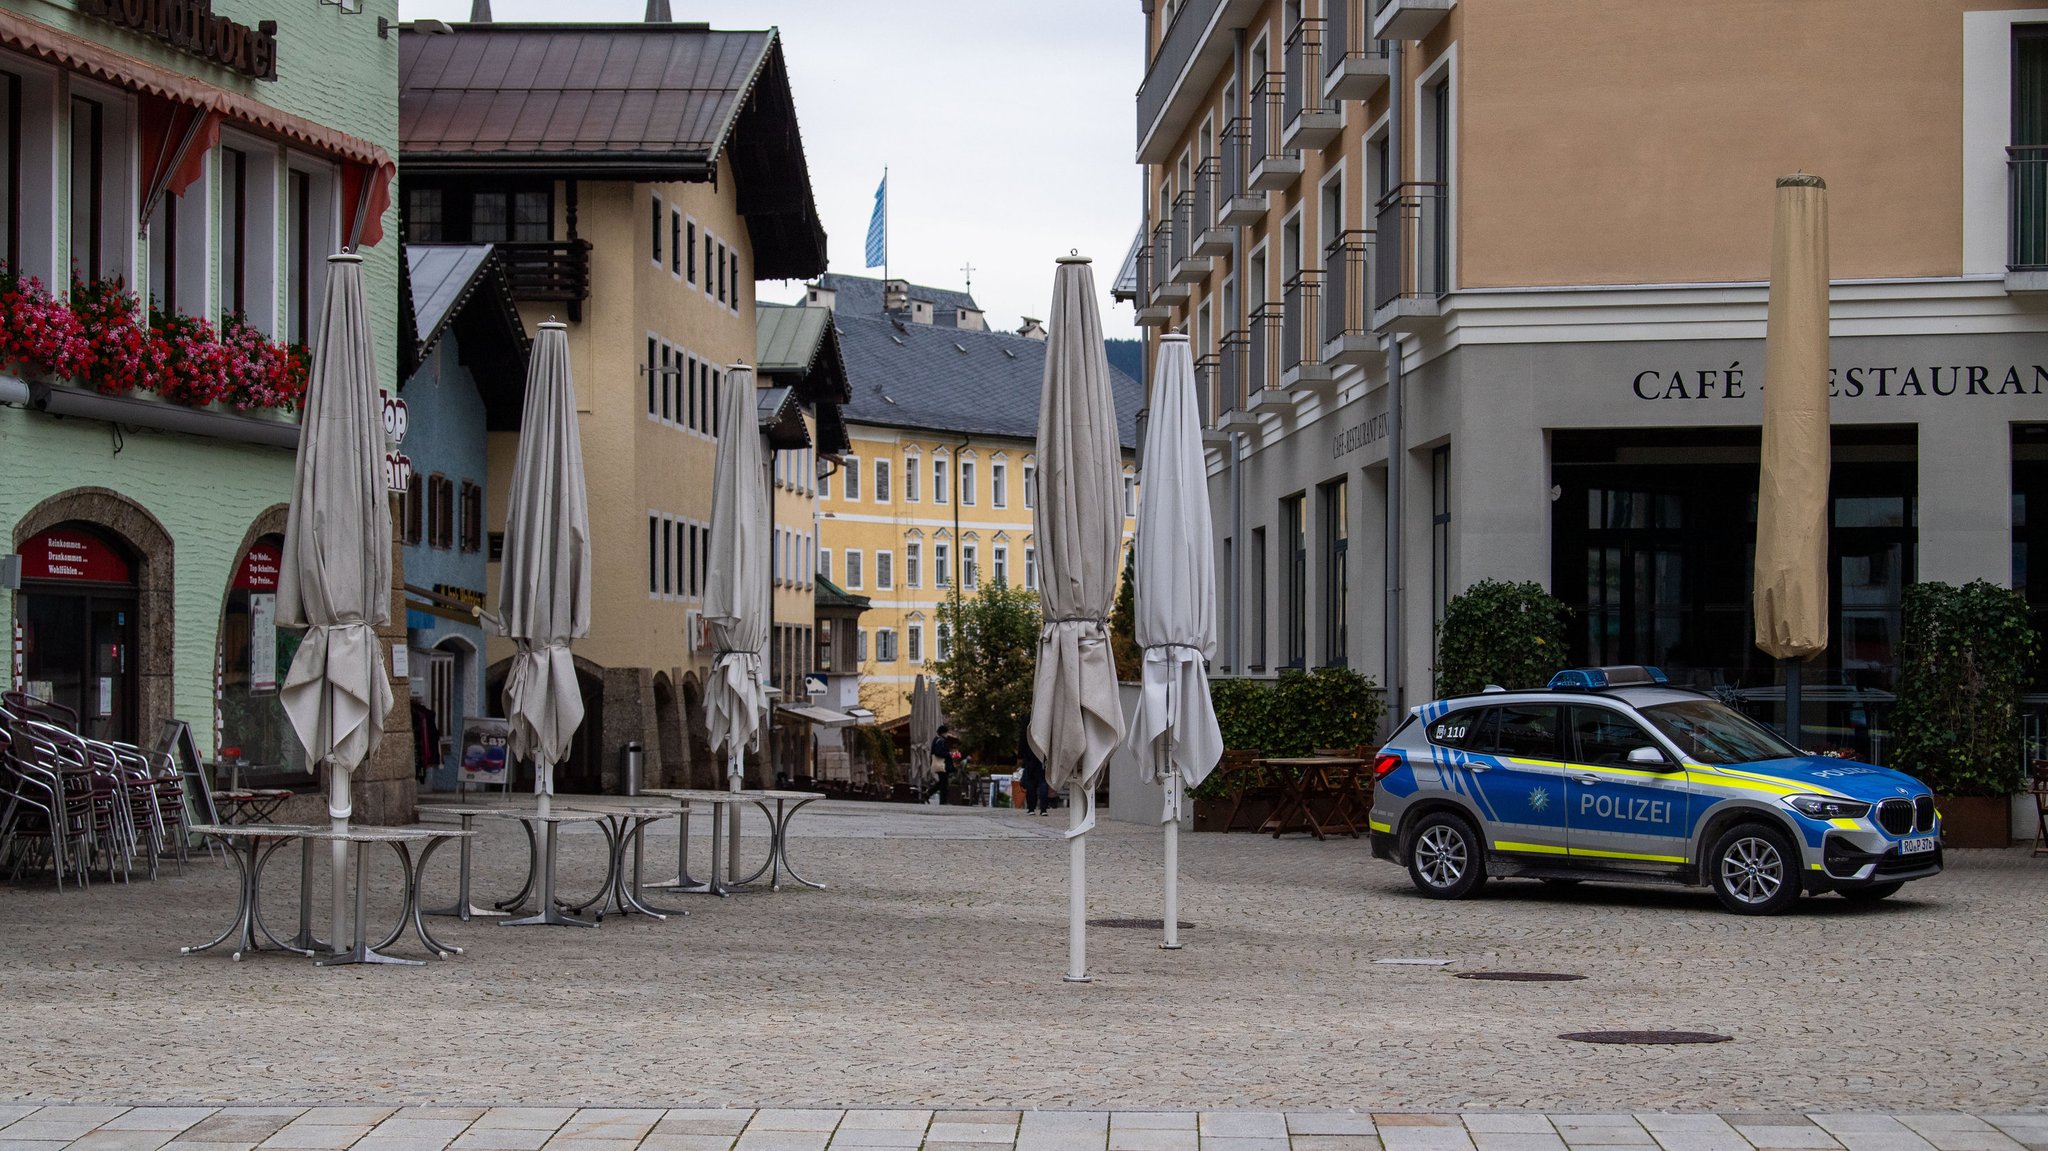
(1034, 776)
(945, 759)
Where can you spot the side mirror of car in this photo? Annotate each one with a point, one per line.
(1648, 757)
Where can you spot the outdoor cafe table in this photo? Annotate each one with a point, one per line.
(787, 804)
(541, 865)
(1310, 800)
(400, 839)
(463, 908)
(623, 824)
(250, 845)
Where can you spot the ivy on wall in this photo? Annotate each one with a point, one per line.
(1964, 656)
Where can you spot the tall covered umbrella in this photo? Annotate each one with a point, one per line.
(736, 599)
(544, 584)
(1792, 486)
(924, 727)
(1176, 739)
(335, 577)
(1076, 720)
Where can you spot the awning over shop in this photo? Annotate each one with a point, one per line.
(174, 138)
(822, 716)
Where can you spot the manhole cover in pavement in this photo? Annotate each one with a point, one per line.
(1154, 924)
(1520, 976)
(1647, 1037)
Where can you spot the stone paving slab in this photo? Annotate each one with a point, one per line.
(928, 975)
(920, 1129)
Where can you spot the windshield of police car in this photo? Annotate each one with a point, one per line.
(1714, 733)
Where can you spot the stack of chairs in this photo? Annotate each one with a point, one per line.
(74, 805)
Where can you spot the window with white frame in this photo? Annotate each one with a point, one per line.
(1030, 485)
(1001, 570)
(916, 644)
(910, 462)
(1130, 494)
(940, 485)
(1031, 567)
(881, 492)
(854, 576)
(102, 189)
(885, 645)
(310, 226)
(860, 645)
(969, 577)
(825, 487)
(825, 562)
(885, 571)
(999, 484)
(967, 492)
(852, 486)
(945, 640)
(942, 564)
(913, 563)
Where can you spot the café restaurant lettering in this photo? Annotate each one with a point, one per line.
(1859, 382)
(192, 26)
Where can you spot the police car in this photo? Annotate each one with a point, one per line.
(1612, 774)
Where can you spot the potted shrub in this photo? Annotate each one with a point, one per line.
(1293, 715)
(1510, 634)
(1964, 656)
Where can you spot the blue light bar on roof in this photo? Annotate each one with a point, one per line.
(1596, 678)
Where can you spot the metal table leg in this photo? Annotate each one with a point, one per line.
(781, 841)
(419, 883)
(713, 886)
(305, 943)
(769, 862)
(683, 882)
(602, 899)
(550, 914)
(243, 907)
(625, 892)
(361, 951)
(463, 909)
(532, 870)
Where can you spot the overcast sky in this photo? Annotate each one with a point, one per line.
(1006, 126)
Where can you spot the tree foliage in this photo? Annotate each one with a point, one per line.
(1964, 657)
(1510, 634)
(985, 678)
(1123, 627)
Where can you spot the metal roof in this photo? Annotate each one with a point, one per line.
(1125, 287)
(648, 90)
(442, 277)
(788, 336)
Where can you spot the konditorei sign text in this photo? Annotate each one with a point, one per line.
(192, 26)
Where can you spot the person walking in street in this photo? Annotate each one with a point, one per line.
(945, 760)
(1034, 775)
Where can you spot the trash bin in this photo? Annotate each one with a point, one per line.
(631, 758)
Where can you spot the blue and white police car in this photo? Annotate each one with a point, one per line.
(1611, 774)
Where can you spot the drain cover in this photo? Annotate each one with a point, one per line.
(1645, 1037)
(1153, 924)
(1520, 976)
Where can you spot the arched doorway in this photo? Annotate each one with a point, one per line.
(582, 772)
(668, 731)
(78, 613)
(254, 655)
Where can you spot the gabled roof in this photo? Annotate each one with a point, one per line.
(862, 295)
(618, 101)
(932, 378)
(462, 288)
(825, 593)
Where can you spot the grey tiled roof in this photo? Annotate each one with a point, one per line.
(946, 379)
(862, 296)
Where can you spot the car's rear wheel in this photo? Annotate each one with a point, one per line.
(1873, 893)
(1754, 870)
(1445, 860)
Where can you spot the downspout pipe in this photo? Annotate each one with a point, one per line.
(1397, 452)
(1236, 441)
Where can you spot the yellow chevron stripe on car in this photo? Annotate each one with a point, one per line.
(1746, 784)
(1778, 783)
(1376, 825)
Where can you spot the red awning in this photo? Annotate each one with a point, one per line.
(172, 158)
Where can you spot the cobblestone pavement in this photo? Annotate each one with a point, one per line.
(90, 1128)
(928, 974)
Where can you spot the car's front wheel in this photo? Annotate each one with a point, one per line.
(1445, 860)
(1754, 870)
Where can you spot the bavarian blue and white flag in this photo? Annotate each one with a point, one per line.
(878, 226)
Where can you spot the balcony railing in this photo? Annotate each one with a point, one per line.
(1301, 340)
(1239, 204)
(1208, 381)
(1151, 314)
(547, 270)
(1304, 58)
(1182, 37)
(1184, 226)
(1355, 64)
(1235, 352)
(1165, 289)
(2026, 167)
(1269, 108)
(1206, 175)
(1264, 360)
(1414, 249)
(1346, 264)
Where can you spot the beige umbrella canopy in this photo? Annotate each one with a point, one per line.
(736, 596)
(334, 579)
(924, 727)
(1076, 719)
(1791, 591)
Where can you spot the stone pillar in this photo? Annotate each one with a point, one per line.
(385, 790)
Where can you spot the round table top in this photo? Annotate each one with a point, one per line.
(364, 833)
(704, 795)
(783, 793)
(254, 830)
(456, 809)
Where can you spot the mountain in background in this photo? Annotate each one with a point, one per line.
(1128, 357)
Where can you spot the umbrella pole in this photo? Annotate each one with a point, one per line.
(735, 768)
(1077, 891)
(1172, 852)
(1792, 686)
(338, 811)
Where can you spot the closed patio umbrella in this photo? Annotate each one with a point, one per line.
(736, 599)
(924, 727)
(1076, 720)
(335, 577)
(1175, 737)
(1791, 588)
(544, 584)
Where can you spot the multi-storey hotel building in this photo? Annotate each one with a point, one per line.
(1477, 289)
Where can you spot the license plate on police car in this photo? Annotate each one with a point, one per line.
(1918, 845)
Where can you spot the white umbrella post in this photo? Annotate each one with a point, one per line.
(1172, 853)
(1077, 889)
(338, 811)
(735, 770)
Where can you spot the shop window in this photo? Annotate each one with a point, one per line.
(1336, 581)
(414, 511)
(472, 517)
(77, 611)
(254, 655)
(309, 239)
(1294, 579)
(440, 512)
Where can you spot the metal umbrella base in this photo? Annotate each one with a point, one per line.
(550, 914)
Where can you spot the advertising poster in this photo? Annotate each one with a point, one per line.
(483, 751)
(262, 642)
